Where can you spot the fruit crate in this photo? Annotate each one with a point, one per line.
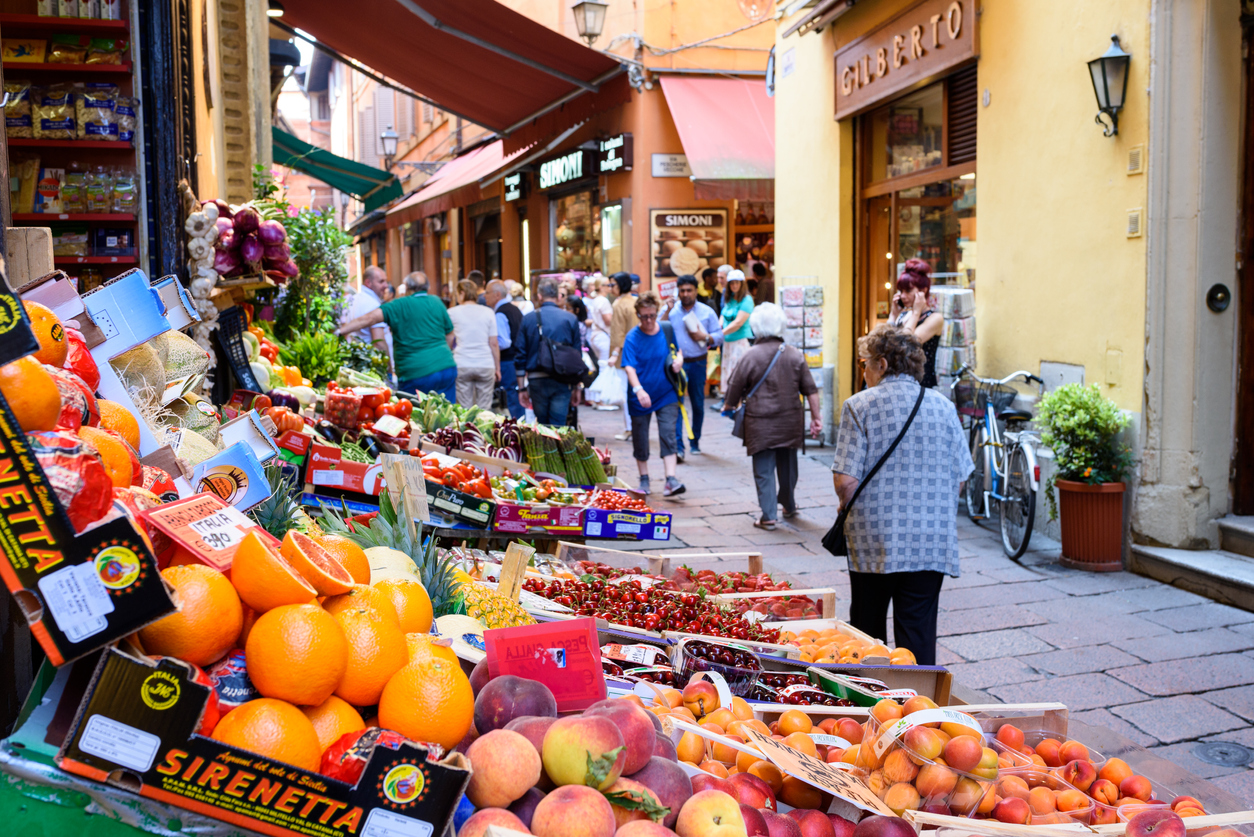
(231, 325)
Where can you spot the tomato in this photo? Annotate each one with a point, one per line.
(365, 413)
(387, 394)
(373, 398)
(262, 403)
(404, 409)
(382, 410)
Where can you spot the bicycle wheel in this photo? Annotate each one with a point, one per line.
(1018, 509)
(975, 482)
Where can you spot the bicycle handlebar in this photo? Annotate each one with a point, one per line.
(1027, 376)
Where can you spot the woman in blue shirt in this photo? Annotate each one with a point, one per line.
(737, 306)
(646, 354)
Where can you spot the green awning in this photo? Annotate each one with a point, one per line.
(373, 187)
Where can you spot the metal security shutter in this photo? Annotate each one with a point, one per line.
(964, 99)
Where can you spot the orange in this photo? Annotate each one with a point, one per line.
(264, 578)
(428, 701)
(118, 457)
(423, 647)
(313, 562)
(208, 620)
(250, 619)
(53, 344)
(332, 719)
(113, 416)
(297, 653)
(32, 394)
(351, 556)
(359, 597)
(376, 650)
(413, 605)
(274, 729)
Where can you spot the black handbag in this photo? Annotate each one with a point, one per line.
(834, 541)
(678, 380)
(563, 363)
(738, 415)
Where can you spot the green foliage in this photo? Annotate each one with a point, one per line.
(366, 358)
(1082, 428)
(311, 301)
(317, 353)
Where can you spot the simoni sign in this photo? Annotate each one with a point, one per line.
(573, 165)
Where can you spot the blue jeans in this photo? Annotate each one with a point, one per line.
(443, 382)
(509, 382)
(550, 401)
(695, 370)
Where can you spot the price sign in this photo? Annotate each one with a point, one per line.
(204, 529)
(403, 471)
(223, 529)
(825, 777)
(513, 568)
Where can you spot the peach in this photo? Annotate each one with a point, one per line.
(1104, 791)
(902, 797)
(1050, 751)
(1012, 810)
(714, 768)
(1010, 735)
(636, 791)
(710, 814)
(505, 766)
(936, 781)
(643, 828)
(1042, 801)
(923, 742)
(724, 753)
(1073, 751)
(708, 781)
(571, 743)
(479, 821)
(1013, 786)
(1071, 800)
(1159, 822)
(886, 711)
(669, 782)
(1137, 786)
(917, 704)
(768, 773)
(751, 790)
(813, 823)
(899, 768)
(967, 796)
(700, 697)
(849, 729)
(798, 794)
(794, 720)
(1114, 771)
(1080, 773)
(755, 822)
(802, 742)
(963, 753)
(573, 811)
(636, 727)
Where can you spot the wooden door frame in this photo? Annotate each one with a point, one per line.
(1243, 456)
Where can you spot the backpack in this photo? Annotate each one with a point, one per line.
(561, 362)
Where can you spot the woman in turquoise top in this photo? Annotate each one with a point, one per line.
(737, 306)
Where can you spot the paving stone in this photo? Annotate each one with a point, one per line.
(981, 620)
(968, 580)
(1095, 629)
(1078, 692)
(1244, 737)
(761, 537)
(945, 657)
(722, 510)
(997, 672)
(1180, 718)
(725, 542)
(1001, 594)
(1104, 718)
(798, 565)
(1192, 644)
(994, 644)
(1190, 675)
(1090, 584)
(1181, 755)
(1239, 701)
(1197, 617)
(1159, 597)
(1011, 573)
(1080, 660)
(1240, 785)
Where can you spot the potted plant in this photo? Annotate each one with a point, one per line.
(1082, 427)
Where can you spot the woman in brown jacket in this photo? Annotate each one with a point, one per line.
(774, 418)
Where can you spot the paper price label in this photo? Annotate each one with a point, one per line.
(384, 823)
(78, 600)
(825, 777)
(915, 719)
(119, 743)
(829, 740)
(223, 529)
(645, 655)
(401, 470)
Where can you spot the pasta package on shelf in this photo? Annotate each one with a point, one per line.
(106, 50)
(958, 332)
(23, 50)
(24, 178)
(52, 112)
(94, 111)
(126, 110)
(67, 49)
(17, 121)
(70, 240)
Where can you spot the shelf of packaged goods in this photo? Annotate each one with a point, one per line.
(52, 25)
(109, 217)
(94, 260)
(20, 67)
(103, 145)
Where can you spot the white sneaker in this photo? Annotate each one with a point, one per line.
(624, 436)
(608, 408)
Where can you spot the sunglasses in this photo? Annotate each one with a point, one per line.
(647, 317)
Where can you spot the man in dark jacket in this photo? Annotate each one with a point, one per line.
(508, 328)
(545, 395)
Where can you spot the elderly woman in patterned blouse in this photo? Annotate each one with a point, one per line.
(902, 532)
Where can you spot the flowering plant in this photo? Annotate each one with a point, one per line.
(1082, 427)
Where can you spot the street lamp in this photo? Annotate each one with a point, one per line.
(389, 138)
(589, 19)
(1110, 84)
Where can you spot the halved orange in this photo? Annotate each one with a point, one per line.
(323, 572)
(264, 579)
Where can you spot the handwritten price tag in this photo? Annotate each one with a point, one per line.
(825, 777)
(223, 529)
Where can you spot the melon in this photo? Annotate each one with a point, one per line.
(183, 357)
(142, 374)
(198, 414)
(193, 448)
(387, 563)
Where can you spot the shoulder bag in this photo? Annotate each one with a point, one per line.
(738, 417)
(679, 380)
(834, 541)
(560, 361)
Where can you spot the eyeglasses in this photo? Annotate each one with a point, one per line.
(647, 317)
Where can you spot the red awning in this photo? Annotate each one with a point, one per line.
(455, 184)
(727, 127)
(475, 58)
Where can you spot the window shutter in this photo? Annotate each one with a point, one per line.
(964, 100)
(428, 113)
(368, 138)
(384, 115)
(404, 117)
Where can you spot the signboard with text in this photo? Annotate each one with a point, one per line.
(615, 154)
(565, 168)
(686, 241)
(564, 656)
(515, 186)
(671, 165)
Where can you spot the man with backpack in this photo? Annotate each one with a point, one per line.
(653, 365)
(548, 359)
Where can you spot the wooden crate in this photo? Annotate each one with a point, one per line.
(826, 595)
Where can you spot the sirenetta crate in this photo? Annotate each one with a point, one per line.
(136, 729)
(627, 525)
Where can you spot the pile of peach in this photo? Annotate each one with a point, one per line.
(831, 646)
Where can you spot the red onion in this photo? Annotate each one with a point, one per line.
(271, 232)
(224, 208)
(277, 252)
(289, 268)
(247, 220)
(223, 224)
(225, 261)
(227, 240)
(250, 248)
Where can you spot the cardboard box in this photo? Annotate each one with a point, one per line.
(235, 475)
(329, 469)
(626, 525)
(136, 727)
(460, 505)
(539, 519)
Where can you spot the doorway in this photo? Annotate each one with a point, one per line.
(1243, 455)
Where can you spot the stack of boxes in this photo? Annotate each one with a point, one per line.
(803, 309)
(957, 346)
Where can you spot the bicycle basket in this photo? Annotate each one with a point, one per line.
(965, 399)
(1001, 395)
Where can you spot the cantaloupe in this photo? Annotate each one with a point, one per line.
(195, 413)
(142, 374)
(181, 355)
(193, 448)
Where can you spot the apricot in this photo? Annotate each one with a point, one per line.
(745, 760)
(1104, 791)
(740, 708)
(1042, 801)
(1137, 786)
(987, 802)
(1071, 800)
(1073, 751)
(691, 747)
(673, 697)
(722, 717)
(1050, 751)
(794, 720)
(773, 728)
(768, 773)
(923, 742)
(917, 704)
(715, 768)
(966, 796)
(875, 781)
(1190, 811)
(723, 753)
(902, 657)
(685, 713)
(760, 726)
(963, 753)
(1115, 771)
(936, 781)
(834, 755)
(1079, 773)
(902, 797)
(849, 729)
(886, 711)
(802, 742)
(1183, 800)
(899, 768)
(1010, 735)
(1038, 760)
(956, 730)
(798, 794)
(850, 756)
(1105, 815)
(1012, 787)
(714, 728)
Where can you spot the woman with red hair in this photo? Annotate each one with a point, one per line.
(914, 311)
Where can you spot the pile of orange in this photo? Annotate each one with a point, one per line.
(831, 646)
(316, 661)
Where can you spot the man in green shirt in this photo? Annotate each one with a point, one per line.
(422, 338)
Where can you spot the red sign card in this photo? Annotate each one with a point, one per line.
(562, 655)
(203, 529)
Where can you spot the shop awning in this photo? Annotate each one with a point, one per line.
(727, 128)
(373, 187)
(821, 14)
(475, 58)
(455, 184)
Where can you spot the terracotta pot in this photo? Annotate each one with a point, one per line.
(1091, 517)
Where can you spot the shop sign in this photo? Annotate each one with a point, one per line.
(515, 186)
(686, 241)
(615, 154)
(919, 44)
(671, 165)
(573, 165)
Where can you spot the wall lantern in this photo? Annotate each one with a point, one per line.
(1110, 84)
(589, 19)
(389, 138)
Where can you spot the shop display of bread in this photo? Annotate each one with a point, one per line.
(682, 251)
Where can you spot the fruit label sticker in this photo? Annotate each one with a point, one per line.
(829, 740)
(825, 777)
(383, 823)
(915, 719)
(562, 655)
(78, 600)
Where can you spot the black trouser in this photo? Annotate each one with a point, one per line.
(915, 597)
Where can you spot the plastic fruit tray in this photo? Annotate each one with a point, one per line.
(1051, 800)
(1032, 738)
(737, 664)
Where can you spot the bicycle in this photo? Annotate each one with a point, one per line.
(1006, 471)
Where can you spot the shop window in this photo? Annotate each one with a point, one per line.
(611, 239)
(907, 136)
(576, 232)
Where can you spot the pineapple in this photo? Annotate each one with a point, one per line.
(279, 512)
(489, 606)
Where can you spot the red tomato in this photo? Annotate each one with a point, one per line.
(404, 409)
(382, 410)
(365, 413)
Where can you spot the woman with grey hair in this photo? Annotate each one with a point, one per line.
(769, 380)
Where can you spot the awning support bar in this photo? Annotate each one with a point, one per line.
(435, 23)
(557, 103)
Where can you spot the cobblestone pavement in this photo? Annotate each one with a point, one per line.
(1164, 667)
